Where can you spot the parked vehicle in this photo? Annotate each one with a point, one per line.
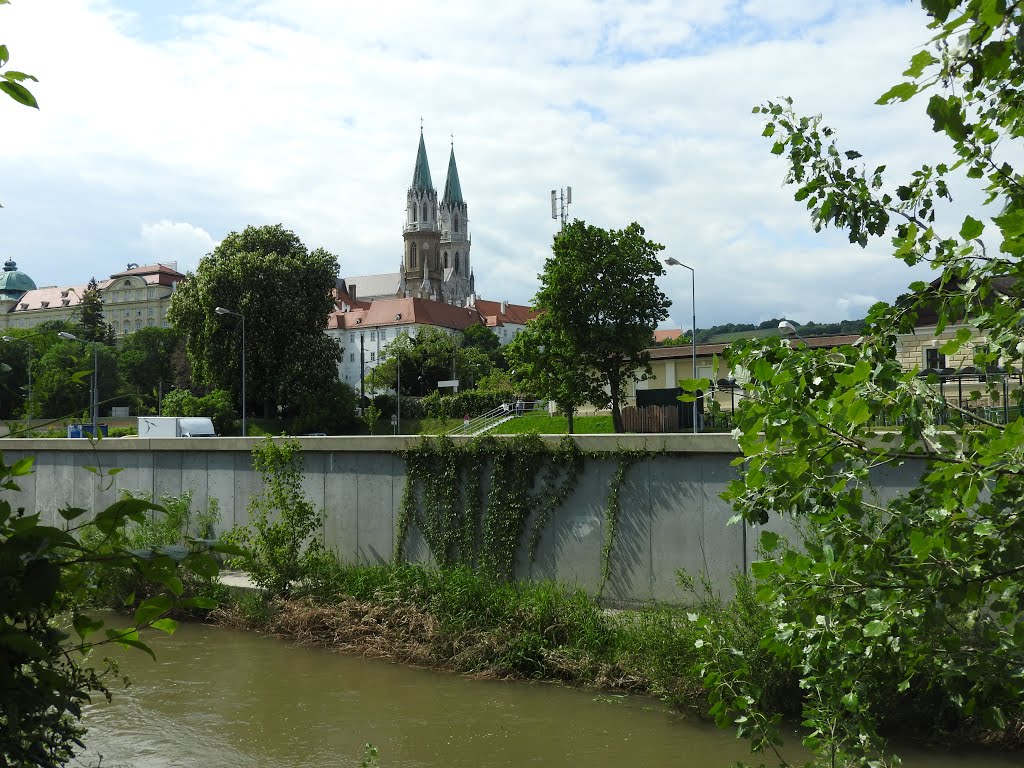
(176, 426)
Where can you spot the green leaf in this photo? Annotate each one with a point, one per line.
(19, 93)
(901, 92)
(5, 55)
(858, 412)
(918, 62)
(21, 642)
(876, 628)
(153, 608)
(770, 540)
(22, 466)
(971, 228)
(165, 625)
(71, 513)
(85, 625)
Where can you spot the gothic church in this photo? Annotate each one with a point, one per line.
(436, 243)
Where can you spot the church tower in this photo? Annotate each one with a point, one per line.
(455, 240)
(422, 272)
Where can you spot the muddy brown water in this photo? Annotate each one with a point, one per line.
(219, 698)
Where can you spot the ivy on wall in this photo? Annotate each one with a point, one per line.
(475, 502)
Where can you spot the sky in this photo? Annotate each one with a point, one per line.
(165, 126)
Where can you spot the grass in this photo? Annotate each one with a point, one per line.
(543, 424)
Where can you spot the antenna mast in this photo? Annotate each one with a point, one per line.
(561, 199)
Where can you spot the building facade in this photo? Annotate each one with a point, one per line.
(136, 298)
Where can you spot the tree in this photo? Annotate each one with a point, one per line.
(432, 356)
(146, 362)
(602, 303)
(482, 338)
(62, 378)
(94, 327)
(284, 291)
(920, 597)
(542, 362)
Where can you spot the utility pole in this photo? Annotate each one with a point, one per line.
(561, 199)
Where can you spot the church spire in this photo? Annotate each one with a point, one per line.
(452, 188)
(421, 174)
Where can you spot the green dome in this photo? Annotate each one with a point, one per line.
(14, 282)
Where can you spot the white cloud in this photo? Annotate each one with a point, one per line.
(307, 113)
(176, 242)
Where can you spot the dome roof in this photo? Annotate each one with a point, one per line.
(14, 282)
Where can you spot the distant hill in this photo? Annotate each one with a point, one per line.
(723, 334)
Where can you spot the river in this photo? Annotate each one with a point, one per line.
(218, 698)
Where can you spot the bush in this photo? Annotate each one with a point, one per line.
(280, 540)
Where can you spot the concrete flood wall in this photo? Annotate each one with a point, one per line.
(672, 516)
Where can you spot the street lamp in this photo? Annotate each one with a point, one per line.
(95, 396)
(693, 337)
(224, 311)
(786, 328)
(28, 406)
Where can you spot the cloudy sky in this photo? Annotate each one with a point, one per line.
(164, 126)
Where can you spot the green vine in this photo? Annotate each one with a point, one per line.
(611, 511)
(474, 502)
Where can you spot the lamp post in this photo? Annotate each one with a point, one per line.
(224, 311)
(95, 396)
(786, 328)
(693, 334)
(31, 350)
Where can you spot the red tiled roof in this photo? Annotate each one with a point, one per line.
(665, 335)
(386, 312)
(515, 314)
(52, 295)
(149, 269)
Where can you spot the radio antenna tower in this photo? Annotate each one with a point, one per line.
(561, 199)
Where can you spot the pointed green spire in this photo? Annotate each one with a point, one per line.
(421, 174)
(452, 188)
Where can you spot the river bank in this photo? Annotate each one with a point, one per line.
(461, 621)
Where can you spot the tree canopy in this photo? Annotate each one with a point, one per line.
(284, 292)
(600, 303)
(431, 356)
(921, 596)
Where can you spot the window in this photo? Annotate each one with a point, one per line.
(412, 255)
(351, 357)
(373, 335)
(456, 261)
(150, 311)
(445, 257)
(138, 325)
(373, 357)
(455, 225)
(127, 313)
(351, 338)
(383, 334)
(115, 326)
(933, 359)
(151, 322)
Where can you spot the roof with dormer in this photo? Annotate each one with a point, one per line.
(421, 174)
(452, 188)
(410, 311)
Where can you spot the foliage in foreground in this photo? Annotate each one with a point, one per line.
(49, 577)
(280, 541)
(923, 596)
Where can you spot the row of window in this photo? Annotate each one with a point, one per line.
(432, 260)
(134, 295)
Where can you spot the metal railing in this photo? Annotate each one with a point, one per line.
(504, 412)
